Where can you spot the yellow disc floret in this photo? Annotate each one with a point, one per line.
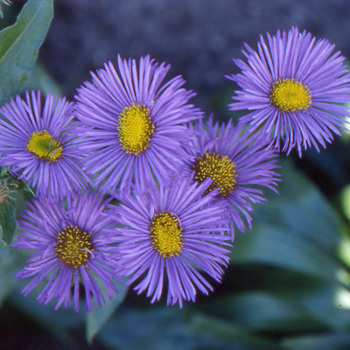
(43, 145)
(289, 95)
(74, 246)
(135, 128)
(166, 234)
(218, 168)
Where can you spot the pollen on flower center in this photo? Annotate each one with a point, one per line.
(218, 168)
(135, 128)
(166, 234)
(43, 145)
(289, 95)
(74, 246)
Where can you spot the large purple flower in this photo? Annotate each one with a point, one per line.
(37, 144)
(293, 87)
(132, 125)
(239, 163)
(73, 244)
(172, 235)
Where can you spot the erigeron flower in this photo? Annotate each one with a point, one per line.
(293, 88)
(172, 238)
(132, 123)
(240, 165)
(38, 146)
(73, 244)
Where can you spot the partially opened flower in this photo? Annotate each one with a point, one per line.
(293, 87)
(132, 125)
(172, 236)
(240, 165)
(73, 245)
(36, 144)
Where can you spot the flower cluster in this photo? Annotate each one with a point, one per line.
(132, 182)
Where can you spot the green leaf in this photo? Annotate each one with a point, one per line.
(18, 192)
(97, 318)
(264, 312)
(11, 261)
(298, 229)
(8, 222)
(40, 79)
(293, 253)
(20, 45)
(166, 328)
(318, 342)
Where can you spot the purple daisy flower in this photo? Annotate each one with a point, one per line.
(293, 87)
(240, 164)
(172, 233)
(73, 244)
(38, 146)
(132, 126)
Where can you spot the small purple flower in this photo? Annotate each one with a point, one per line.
(240, 164)
(72, 244)
(37, 144)
(132, 125)
(172, 235)
(293, 87)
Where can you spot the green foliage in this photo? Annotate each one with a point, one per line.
(13, 193)
(9, 262)
(8, 223)
(297, 229)
(339, 341)
(97, 319)
(19, 46)
(39, 79)
(170, 328)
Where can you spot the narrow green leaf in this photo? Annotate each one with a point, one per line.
(19, 45)
(8, 222)
(2, 243)
(335, 341)
(97, 318)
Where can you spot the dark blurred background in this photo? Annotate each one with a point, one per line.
(198, 38)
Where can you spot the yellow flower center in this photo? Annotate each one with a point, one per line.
(166, 234)
(218, 168)
(43, 145)
(289, 95)
(74, 246)
(135, 128)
